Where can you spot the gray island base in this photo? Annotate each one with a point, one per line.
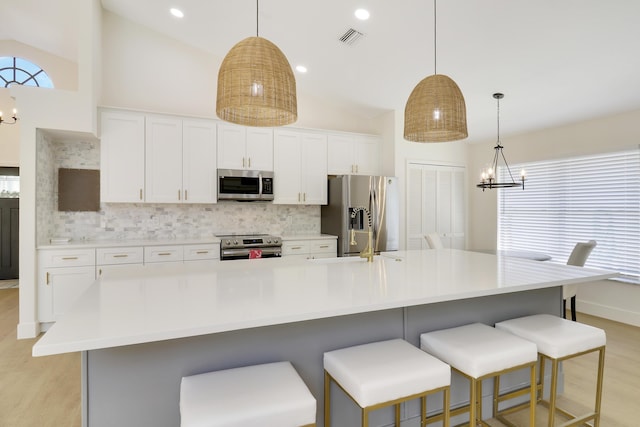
(141, 331)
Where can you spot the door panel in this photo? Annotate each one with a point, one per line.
(9, 221)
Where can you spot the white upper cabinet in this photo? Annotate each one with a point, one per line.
(242, 147)
(122, 157)
(351, 154)
(180, 160)
(300, 167)
(163, 160)
(157, 159)
(199, 177)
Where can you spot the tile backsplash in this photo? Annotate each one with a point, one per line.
(117, 221)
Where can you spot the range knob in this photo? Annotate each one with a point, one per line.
(228, 242)
(235, 242)
(275, 241)
(269, 241)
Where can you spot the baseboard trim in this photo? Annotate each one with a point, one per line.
(28, 330)
(607, 312)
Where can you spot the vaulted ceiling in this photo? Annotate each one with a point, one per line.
(557, 61)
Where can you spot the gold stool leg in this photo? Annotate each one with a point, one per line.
(327, 399)
(445, 407)
(472, 403)
(365, 417)
(553, 395)
(479, 402)
(532, 397)
(397, 408)
(543, 362)
(596, 421)
(496, 394)
(423, 411)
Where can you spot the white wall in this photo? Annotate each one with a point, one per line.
(52, 109)
(62, 72)
(614, 300)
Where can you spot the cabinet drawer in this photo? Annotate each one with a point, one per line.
(295, 248)
(127, 255)
(196, 252)
(67, 258)
(162, 253)
(324, 246)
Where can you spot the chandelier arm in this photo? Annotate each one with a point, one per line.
(507, 165)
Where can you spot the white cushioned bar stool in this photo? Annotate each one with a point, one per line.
(477, 352)
(386, 373)
(269, 395)
(557, 340)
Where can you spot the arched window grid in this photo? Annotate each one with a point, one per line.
(22, 72)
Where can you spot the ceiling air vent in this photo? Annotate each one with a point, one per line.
(351, 37)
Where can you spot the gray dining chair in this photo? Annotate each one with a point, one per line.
(434, 241)
(578, 257)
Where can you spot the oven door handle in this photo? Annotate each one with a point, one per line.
(266, 252)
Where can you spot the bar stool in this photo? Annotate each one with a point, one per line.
(270, 395)
(386, 373)
(477, 352)
(557, 340)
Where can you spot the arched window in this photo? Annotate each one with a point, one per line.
(22, 72)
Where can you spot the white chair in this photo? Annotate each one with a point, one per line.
(477, 352)
(434, 241)
(578, 257)
(270, 395)
(386, 373)
(558, 340)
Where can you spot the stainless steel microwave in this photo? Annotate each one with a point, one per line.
(245, 185)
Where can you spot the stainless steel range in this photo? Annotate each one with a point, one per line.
(239, 246)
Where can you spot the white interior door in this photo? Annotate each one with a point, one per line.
(436, 203)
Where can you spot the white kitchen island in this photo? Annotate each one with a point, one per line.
(141, 330)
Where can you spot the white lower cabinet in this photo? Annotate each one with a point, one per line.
(109, 259)
(310, 249)
(63, 276)
(168, 253)
(201, 252)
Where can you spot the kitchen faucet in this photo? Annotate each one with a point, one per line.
(367, 252)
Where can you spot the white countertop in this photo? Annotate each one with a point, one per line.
(160, 302)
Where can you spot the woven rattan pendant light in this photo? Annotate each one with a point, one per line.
(435, 110)
(256, 86)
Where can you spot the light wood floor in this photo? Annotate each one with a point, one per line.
(45, 391)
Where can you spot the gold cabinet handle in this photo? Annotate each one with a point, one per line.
(179, 195)
(47, 278)
(141, 194)
(185, 195)
(99, 272)
(249, 161)
(304, 197)
(121, 256)
(69, 258)
(202, 252)
(164, 253)
(293, 248)
(243, 163)
(324, 246)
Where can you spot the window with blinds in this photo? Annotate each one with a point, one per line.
(575, 200)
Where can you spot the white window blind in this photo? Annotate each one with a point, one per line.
(575, 200)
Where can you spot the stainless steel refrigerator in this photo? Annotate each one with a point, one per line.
(354, 202)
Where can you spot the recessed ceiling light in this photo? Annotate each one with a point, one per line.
(362, 14)
(176, 12)
(301, 68)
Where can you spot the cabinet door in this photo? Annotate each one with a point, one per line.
(314, 169)
(60, 288)
(367, 155)
(341, 155)
(163, 160)
(287, 168)
(199, 177)
(231, 146)
(259, 149)
(122, 157)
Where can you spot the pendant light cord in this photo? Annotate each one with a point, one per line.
(435, 45)
(498, 115)
(257, 19)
